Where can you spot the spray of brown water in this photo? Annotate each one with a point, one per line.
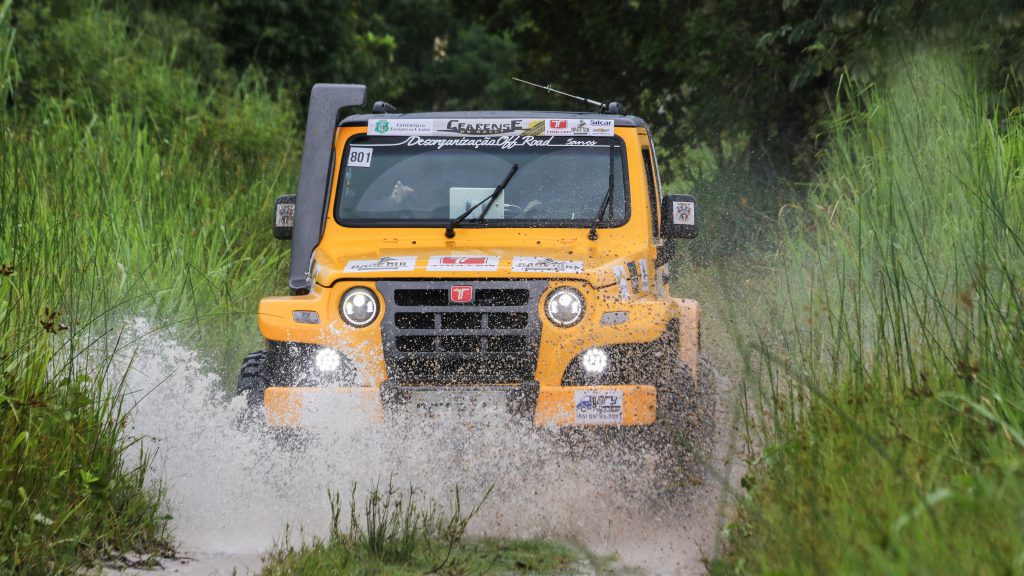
(233, 489)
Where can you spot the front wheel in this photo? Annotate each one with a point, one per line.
(252, 379)
(684, 431)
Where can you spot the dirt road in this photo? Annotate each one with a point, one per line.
(232, 493)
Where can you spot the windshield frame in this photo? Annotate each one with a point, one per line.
(618, 143)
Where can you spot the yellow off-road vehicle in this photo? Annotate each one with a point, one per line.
(443, 258)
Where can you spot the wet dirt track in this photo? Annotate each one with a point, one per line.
(232, 491)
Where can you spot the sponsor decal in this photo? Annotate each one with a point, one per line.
(533, 264)
(580, 127)
(598, 406)
(620, 279)
(503, 142)
(461, 294)
(385, 264)
(462, 263)
(477, 127)
(399, 127)
(284, 216)
(645, 281)
(491, 127)
(682, 213)
(634, 277)
(578, 142)
(359, 157)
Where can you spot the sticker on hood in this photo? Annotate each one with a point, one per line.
(535, 264)
(385, 264)
(622, 280)
(462, 263)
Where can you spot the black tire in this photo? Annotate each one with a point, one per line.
(683, 434)
(662, 459)
(252, 379)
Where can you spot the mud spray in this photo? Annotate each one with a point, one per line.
(232, 491)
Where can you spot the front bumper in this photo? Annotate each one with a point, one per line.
(605, 405)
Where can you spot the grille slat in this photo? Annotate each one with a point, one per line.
(462, 321)
(494, 338)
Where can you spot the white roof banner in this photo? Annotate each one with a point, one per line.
(491, 127)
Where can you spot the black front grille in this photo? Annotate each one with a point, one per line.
(430, 340)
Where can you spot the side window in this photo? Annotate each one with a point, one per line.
(652, 191)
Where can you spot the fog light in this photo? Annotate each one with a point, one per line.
(327, 360)
(595, 360)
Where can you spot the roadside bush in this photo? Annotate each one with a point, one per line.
(130, 186)
(891, 409)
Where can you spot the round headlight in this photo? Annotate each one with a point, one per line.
(564, 307)
(359, 307)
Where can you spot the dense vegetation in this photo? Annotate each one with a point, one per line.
(126, 189)
(891, 407)
(142, 143)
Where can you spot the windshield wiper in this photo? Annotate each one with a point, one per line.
(607, 195)
(449, 231)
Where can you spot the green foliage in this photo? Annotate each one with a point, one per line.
(302, 43)
(128, 189)
(753, 72)
(891, 410)
(397, 533)
(8, 63)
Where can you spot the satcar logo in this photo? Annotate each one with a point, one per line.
(381, 127)
(460, 294)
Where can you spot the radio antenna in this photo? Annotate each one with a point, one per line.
(549, 90)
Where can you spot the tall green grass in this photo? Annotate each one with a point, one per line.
(398, 532)
(112, 207)
(892, 406)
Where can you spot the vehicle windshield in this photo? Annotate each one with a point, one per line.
(425, 181)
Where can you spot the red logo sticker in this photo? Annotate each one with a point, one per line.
(558, 124)
(463, 260)
(460, 294)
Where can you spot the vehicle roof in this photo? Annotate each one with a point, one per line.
(620, 120)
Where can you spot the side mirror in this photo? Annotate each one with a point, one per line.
(284, 217)
(678, 216)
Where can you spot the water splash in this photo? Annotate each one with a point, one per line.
(233, 489)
